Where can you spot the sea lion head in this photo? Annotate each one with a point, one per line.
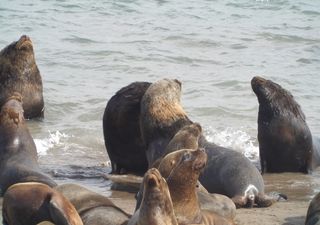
(155, 185)
(186, 138)
(19, 52)
(182, 163)
(12, 110)
(156, 207)
(275, 100)
(161, 102)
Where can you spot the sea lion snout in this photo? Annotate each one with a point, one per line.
(153, 178)
(24, 42)
(257, 82)
(201, 159)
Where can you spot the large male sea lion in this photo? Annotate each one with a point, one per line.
(285, 141)
(182, 182)
(156, 207)
(227, 172)
(19, 73)
(313, 213)
(121, 130)
(18, 153)
(31, 203)
(161, 116)
(92, 207)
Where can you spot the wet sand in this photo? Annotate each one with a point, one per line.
(281, 213)
(299, 188)
(291, 212)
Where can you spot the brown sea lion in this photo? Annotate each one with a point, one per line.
(186, 138)
(313, 213)
(156, 207)
(18, 158)
(285, 141)
(19, 73)
(182, 182)
(31, 203)
(227, 172)
(161, 116)
(92, 207)
(121, 130)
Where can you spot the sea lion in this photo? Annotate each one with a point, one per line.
(227, 172)
(18, 158)
(92, 207)
(19, 73)
(313, 213)
(182, 182)
(161, 116)
(186, 138)
(285, 141)
(156, 207)
(31, 203)
(121, 130)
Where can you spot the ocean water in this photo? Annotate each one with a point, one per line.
(87, 50)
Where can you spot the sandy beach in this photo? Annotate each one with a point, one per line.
(290, 212)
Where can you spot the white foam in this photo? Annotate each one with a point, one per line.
(43, 145)
(238, 140)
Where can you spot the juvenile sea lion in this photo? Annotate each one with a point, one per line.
(161, 116)
(31, 203)
(121, 130)
(18, 153)
(92, 207)
(182, 182)
(186, 138)
(313, 214)
(19, 73)
(156, 207)
(285, 141)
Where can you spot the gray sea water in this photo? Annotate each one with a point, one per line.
(87, 50)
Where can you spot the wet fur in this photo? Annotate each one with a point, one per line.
(161, 116)
(92, 207)
(121, 130)
(182, 182)
(19, 73)
(18, 158)
(31, 203)
(313, 213)
(285, 141)
(156, 206)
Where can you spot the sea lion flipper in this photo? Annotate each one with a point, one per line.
(264, 201)
(57, 211)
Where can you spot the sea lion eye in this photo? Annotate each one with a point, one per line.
(186, 156)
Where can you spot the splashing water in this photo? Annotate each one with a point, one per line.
(234, 139)
(43, 145)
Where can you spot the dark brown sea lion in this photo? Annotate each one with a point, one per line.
(121, 130)
(285, 141)
(227, 172)
(31, 203)
(313, 214)
(182, 182)
(19, 73)
(161, 116)
(92, 207)
(156, 207)
(18, 158)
